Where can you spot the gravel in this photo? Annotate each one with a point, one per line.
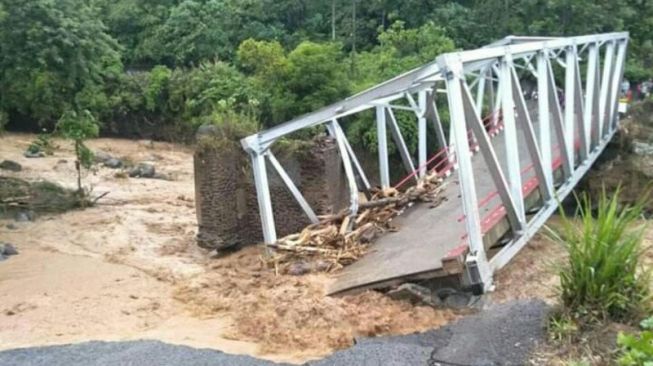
(500, 335)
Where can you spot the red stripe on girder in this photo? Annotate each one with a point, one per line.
(456, 252)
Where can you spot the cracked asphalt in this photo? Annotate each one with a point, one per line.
(501, 335)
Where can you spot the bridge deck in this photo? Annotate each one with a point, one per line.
(427, 235)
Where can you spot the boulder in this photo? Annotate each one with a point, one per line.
(24, 216)
(101, 156)
(113, 163)
(11, 166)
(299, 268)
(162, 176)
(143, 170)
(7, 249)
(31, 155)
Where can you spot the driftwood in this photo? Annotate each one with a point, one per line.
(340, 239)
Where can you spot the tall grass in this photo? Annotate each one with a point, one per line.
(602, 278)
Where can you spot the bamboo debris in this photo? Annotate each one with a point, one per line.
(342, 238)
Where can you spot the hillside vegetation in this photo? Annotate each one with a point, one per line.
(160, 68)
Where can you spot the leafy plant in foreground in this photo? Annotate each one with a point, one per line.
(637, 349)
(601, 279)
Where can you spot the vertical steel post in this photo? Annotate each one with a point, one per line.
(570, 99)
(604, 104)
(437, 122)
(583, 132)
(421, 133)
(480, 92)
(263, 196)
(382, 137)
(544, 123)
(510, 136)
(590, 96)
(497, 100)
(477, 259)
(616, 83)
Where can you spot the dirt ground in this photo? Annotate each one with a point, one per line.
(129, 269)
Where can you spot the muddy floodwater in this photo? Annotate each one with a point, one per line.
(129, 268)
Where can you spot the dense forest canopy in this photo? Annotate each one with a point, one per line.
(171, 65)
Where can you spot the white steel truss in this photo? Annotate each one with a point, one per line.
(581, 116)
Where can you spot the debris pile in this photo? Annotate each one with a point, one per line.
(22, 198)
(340, 239)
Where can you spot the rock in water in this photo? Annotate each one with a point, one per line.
(101, 156)
(24, 216)
(38, 154)
(143, 170)
(7, 249)
(299, 268)
(11, 166)
(113, 163)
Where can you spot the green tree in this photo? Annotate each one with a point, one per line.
(79, 127)
(309, 77)
(134, 24)
(196, 31)
(400, 50)
(55, 56)
(316, 76)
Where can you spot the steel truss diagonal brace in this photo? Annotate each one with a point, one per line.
(510, 138)
(530, 139)
(432, 112)
(473, 119)
(558, 127)
(360, 173)
(292, 188)
(400, 143)
(346, 162)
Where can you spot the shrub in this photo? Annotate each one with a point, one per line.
(601, 279)
(42, 143)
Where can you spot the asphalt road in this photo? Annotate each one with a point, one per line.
(501, 335)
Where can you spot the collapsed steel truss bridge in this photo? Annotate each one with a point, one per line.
(534, 149)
